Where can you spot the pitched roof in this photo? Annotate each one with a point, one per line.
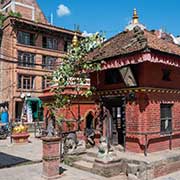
(131, 41)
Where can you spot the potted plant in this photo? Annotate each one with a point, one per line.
(20, 134)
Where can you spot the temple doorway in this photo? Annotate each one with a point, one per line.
(116, 107)
(89, 120)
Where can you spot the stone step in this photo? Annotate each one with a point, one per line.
(132, 168)
(83, 165)
(88, 158)
(121, 176)
(119, 148)
(92, 152)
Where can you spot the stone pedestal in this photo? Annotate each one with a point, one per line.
(20, 138)
(107, 168)
(51, 157)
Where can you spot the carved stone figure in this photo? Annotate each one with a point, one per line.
(50, 129)
(73, 146)
(104, 152)
(90, 136)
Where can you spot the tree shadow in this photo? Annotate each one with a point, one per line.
(7, 160)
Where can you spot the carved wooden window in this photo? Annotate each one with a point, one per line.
(26, 59)
(166, 118)
(26, 81)
(45, 82)
(49, 62)
(50, 43)
(66, 45)
(26, 38)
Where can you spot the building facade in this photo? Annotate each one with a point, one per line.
(139, 86)
(80, 112)
(31, 48)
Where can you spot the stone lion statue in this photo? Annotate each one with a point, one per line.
(72, 145)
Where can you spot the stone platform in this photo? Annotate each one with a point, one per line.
(132, 165)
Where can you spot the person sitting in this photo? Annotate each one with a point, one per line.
(4, 117)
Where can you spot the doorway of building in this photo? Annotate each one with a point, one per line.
(18, 110)
(89, 120)
(116, 106)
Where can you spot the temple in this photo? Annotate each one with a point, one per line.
(139, 85)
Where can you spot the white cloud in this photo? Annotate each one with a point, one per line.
(63, 10)
(85, 33)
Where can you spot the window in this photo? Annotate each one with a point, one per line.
(45, 82)
(49, 62)
(26, 81)
(66, 45)
(166, 118)
(50, 43)
(26, 38)
(112, 76)
(166, 74)
(26, 59)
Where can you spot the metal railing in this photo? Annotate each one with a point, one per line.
(169, 134)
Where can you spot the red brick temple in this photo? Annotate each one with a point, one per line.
(139, 84)
(81, 108)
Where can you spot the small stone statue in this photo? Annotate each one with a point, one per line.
(102, 147)
(90, 136)
(104, 152)
(50, 129)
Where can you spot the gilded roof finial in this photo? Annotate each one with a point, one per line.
(75, 40)
(135, 17)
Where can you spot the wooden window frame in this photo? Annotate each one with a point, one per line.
(45, 82)
(49, 62)
(26, 59)
(166, 118)
(26, 38)
(50, 42)
(26, 82)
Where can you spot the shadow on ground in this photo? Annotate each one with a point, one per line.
(7, 160)
(61, 170)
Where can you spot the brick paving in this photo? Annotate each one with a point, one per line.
(14, 154)
(34, 172)
(172, 176)
(27, 158)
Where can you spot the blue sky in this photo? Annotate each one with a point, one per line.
(112, 16)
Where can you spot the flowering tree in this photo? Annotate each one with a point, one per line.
(73, 71)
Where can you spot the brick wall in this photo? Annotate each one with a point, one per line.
(143, 115)
(9, 71)
(25, 7)
(85, 108)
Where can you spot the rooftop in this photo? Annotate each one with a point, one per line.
(25, 23)
(136, 38)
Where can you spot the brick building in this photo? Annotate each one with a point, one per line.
(139, 86)
(30, 49)
(81, 108)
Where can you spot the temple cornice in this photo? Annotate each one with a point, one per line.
(124, 91)
(140, 57)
